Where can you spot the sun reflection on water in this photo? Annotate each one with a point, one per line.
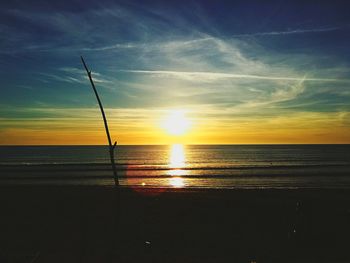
(177, 163)
(177, 182)
(177, 156)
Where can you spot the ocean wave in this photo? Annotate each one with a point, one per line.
(148, 167)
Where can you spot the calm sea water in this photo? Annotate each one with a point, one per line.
(188, 166)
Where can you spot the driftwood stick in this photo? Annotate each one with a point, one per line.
(111, 146)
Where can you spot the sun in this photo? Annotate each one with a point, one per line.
(176, 123)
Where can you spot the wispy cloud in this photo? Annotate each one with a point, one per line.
(111, 47)
(205, 76)
(292, 32)
(74, 75)
(282, 94)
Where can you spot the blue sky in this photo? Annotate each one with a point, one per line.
(237, 65)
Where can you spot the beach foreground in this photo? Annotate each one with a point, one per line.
(85, 224)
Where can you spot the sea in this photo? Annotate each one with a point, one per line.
(180, 166)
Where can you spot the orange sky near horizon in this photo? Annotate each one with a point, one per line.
(294, 129)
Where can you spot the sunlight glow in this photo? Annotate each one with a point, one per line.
(176, 123)
(177, 182)
(177, 172)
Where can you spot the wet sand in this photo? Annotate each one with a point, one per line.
(85, 224)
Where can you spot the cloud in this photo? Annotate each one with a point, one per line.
(291, 93)
(74, 75)
(293, 32)
(111, 47)
(213, 76)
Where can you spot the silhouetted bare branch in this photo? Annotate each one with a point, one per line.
(111, 147)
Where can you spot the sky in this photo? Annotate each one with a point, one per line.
(242, 72)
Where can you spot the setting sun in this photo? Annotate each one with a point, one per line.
(176, 123)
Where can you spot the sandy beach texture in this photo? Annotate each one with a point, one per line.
(84, 224)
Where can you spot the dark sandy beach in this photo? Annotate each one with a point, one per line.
(83, 224)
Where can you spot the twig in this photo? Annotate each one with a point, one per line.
(111, 146)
